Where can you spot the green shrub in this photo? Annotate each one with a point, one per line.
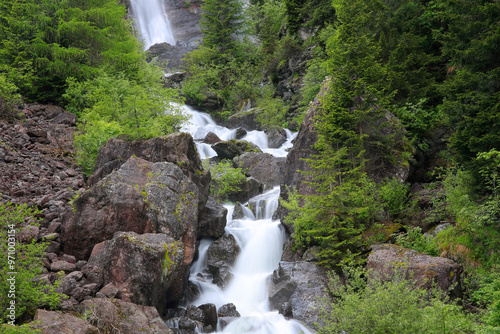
(393, 194)
(30, 292)
(8, 97)
(395, 306)
(273, 111)
(225, 179)
(414, 239)
(112, 105)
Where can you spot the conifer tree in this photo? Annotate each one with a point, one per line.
(343, 203)
(221, 21)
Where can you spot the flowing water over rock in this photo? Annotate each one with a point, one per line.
(152, 22)
(260, 239)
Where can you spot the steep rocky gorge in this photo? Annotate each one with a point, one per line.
(127, 237)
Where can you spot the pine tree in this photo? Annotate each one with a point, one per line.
(221, 21)
(343, 204)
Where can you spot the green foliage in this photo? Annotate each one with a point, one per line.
(293, 15)
(475, 238)
(272, 110)
(267, 19)
(221, 19)
(395, 306)
(393, 195)
(225, 179)
(43, 43)
(9, 97)
(112, 105)
(488, 296)
(24, 329)
(30, 291)
(419, 120)
(334, 217)
(414, 239)
(227, 78)
(472, 92)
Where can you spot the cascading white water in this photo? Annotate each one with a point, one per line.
(260, 240)
(152, 22)
(259, 237)
(201, 124)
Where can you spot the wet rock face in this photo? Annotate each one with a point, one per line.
(184, 16)
(141, 197)
(262, 166)
(244, 119)
(221, 255)
(425, 269)
(275, 137)
(296, 289)
(233, 148)
(124, 317)
(147, 269)
(212, 221)
(178, 148)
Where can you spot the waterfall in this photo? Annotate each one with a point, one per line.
(260, 239)
(152, 22)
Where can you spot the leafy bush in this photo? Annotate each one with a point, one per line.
(225, 179)
(273, 110)
(488, 296)
(112, 105)
(8, 97)
(394, 196)
(395, 306)
(30, 292)
(475, 238)
(414, 239)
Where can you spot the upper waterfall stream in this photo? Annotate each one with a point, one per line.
(152, 22)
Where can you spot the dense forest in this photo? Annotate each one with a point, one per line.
(433, 65)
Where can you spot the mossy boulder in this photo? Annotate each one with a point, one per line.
(425, 270)
(232, 148)
(141, 197)
(146, 268)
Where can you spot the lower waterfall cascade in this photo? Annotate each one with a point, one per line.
(260, 239)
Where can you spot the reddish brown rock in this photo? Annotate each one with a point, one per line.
(114, 315)
(51, 322)
(385, 259)
(141, 197)
(178, 148)
(147, 269)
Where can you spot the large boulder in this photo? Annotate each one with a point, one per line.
(232, 148)
(275, 137)
(141, 197)
(245, 190)
(50, 322)
(299, 286)
(221, 255)
(115, 315)
(147, 269)
(169, 57)
(212, 221)
(263, 166)
(178, 148)
(246, 119)
(425, 270)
